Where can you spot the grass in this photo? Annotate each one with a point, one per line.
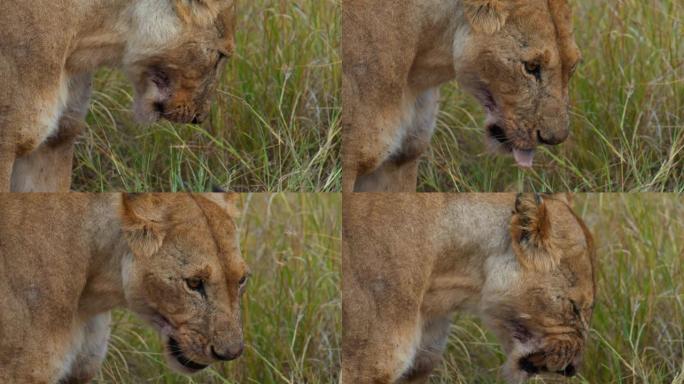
(275, 125)
(291, 308)
(276, 122)
(627, 129)
(637, 331)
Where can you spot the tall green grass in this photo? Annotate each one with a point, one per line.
(627, 130)
(274, 125)
(291, 308)
(637, 331)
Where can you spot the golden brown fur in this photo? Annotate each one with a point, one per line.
(523, 264)
(67, 260)
(515, 57)
(172, 51)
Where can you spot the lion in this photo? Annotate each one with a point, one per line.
(515, 57)
(173, 52)
(524, 265)
(67, 260)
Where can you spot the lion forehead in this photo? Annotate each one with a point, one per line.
(552, 23)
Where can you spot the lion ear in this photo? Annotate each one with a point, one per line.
(142, 219)
(200, 11)
(566, 197)
(531, 233)
(226, 20)
(227, 201)
(487, 16)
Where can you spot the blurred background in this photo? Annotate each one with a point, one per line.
(291, 308)
(637, 331)
(627, 113)
(274, 126)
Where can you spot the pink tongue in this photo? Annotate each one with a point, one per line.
(524, 158)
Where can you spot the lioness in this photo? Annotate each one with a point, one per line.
(172, 50)
(523, 265)
(515, 57)
(67, 260)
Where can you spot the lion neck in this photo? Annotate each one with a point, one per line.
(475, 259)
(104, 288)
(442, 43)
(116, 32)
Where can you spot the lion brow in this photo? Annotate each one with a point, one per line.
(213, 233)
(207, 221)
(562, 20)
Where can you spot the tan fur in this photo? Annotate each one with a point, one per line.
(67, 260)
(172, 50)
(410, 261)
(397, 54)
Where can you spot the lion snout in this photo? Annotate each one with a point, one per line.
(227, 352)
(180, 110)
(184, 115)
(558, 356)
(167, 94)
(554, 126)
(553, 136)
(530, 366)
(227, 341)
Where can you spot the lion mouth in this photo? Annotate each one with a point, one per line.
(496, 133)
(177, 353)
(530, 365)
(523, 157)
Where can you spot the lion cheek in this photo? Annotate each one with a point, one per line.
(161, 297)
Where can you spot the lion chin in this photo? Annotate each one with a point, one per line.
(173, 352)
(522, 364)
(149, 104)
(498, 142)
(177, 360)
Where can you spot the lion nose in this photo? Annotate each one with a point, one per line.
(231, 352)
(197, 120)
(552, 138)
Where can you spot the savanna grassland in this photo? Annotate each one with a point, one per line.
(637, 331)
(274, 126)
(627, 129)
(291, 307)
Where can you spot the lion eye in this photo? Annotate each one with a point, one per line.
(223, 55)
(243, 281)
(195, 284)
(575, 308)
(533, 69)
(574, 68)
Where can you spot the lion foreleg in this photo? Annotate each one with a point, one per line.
(399, 172)
(48, 168)
(432, 344)
(90, 352)
(6, 164)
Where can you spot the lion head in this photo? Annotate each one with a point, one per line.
(517, 62)
(540, 303)
(175, 56)
(185, 275)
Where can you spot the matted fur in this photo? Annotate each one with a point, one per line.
(173, 51)
(410, 261)
(67, 260)
(514, 57)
